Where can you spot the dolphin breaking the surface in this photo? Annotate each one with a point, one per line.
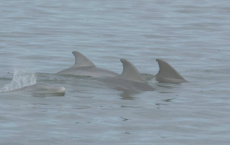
(84, 67)
(130, 79)
(167, 74)
(45, 89)
(41, 90)
(27, 82)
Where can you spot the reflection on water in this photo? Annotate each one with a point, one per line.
(45, 94)
(127, 95)
(169, 100)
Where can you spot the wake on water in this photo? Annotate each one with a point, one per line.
(20, 80)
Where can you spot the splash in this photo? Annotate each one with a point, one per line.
(20, 80)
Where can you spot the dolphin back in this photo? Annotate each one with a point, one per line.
(81, 60)
(130, 72)
(167, 74)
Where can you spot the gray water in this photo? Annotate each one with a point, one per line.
(37, 38)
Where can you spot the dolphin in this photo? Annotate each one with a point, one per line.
(44, 90)
(84, 67)
(167, 74)
(130, 79)
(40, 89)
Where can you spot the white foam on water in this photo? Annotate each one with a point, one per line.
(20, 80)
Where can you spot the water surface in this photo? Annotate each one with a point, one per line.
(37, 38)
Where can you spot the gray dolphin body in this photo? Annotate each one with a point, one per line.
(167, 74)
(40, 89)
(43, 89)
(84, 67)
(130, 79)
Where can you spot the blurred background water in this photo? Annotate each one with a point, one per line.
(37, 38)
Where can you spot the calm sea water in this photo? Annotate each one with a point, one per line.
(36, 41)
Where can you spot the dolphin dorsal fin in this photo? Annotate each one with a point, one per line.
(81, 60)
(167, 71)
(130, 72)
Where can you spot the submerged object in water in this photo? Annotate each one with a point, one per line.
(44, 89)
